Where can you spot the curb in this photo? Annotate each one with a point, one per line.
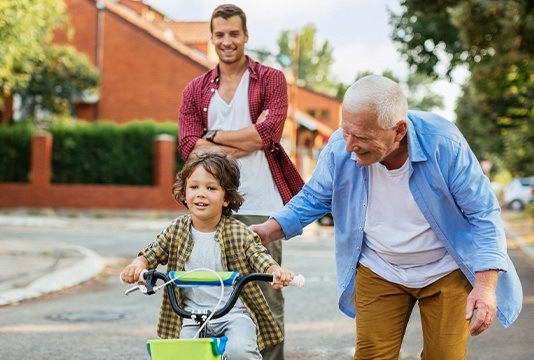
(87, 268)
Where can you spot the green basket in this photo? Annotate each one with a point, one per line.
(187, 349)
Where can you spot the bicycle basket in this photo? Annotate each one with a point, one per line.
(187, 349)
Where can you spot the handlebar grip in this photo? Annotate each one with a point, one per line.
(141, 277)
(298, 281)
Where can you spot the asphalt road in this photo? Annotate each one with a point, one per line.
(96, 321)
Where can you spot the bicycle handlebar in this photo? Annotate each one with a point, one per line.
(152, 276)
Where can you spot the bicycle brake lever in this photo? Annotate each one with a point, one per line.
(141, 288)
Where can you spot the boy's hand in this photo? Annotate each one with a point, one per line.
(282, 277)
(131, 273)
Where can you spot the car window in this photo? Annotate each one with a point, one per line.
(527, 181)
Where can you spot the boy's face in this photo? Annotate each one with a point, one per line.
(205, 199)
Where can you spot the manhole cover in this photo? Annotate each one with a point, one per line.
(80, 316)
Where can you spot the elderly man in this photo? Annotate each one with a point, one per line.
(415, 222)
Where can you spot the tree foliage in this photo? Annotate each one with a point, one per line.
(494, 39)
(60, 73)
(26, 28)
(46, 76)
(311, 61)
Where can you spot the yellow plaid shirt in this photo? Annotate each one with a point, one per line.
(242, 251)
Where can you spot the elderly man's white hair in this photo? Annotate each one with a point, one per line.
(379, 95)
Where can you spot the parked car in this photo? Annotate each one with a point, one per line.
(518, 192)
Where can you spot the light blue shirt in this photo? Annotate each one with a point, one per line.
(449, 188)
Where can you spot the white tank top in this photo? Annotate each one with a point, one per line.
(257, 184)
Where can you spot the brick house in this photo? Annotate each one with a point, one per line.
(145, 61)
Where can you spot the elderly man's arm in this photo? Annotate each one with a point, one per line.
(268, 231)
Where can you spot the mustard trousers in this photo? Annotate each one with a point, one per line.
(384, 308)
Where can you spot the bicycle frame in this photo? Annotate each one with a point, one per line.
(201, 348)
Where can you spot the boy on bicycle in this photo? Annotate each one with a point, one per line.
(208, 237)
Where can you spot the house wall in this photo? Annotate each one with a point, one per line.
(142, 77)
(308, 100)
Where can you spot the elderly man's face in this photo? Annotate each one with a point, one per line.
(367, 140)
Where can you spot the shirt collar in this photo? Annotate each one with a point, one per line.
(251, 64)
(415, 149)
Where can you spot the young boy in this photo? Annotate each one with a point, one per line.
(209, 237)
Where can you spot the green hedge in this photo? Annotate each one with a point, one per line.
(15, 147)
(100, 153)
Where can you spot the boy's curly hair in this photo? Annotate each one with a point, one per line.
(222, 166)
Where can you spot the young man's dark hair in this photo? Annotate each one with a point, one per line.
(226, 11)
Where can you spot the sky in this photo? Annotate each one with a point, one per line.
(358, 30)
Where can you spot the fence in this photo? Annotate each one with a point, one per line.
(41, 192)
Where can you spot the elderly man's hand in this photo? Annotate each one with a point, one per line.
(482, 302)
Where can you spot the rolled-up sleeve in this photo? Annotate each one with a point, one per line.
(190, 125)
(276, 102)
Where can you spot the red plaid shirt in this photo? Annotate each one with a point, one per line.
(267, 90)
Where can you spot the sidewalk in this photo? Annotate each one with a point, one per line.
(47, 267)
(43, 268)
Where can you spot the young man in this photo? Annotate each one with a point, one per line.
(416, 222)
(241, 106)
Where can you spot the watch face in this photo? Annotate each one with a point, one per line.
(210, 135)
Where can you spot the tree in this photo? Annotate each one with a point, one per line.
(59, 75)
(25, 30)
(313, 60)
(495, 41)
(47, 77)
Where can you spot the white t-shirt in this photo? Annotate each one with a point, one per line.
(206, 253)
(257, 184)
(400, 245)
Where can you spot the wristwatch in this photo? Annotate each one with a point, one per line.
(210, 135)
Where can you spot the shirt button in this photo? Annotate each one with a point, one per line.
(358, 248)
(212, 89)
(205, 109)
(364, 205)
(360, 228)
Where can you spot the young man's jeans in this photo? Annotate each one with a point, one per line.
(274, 298)
(384, 308)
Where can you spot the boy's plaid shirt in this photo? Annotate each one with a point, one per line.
(242, 251)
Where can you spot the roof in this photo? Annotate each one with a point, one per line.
(311, 123)
(188, 32)
(133, 18)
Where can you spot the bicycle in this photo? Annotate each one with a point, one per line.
(201, 347)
